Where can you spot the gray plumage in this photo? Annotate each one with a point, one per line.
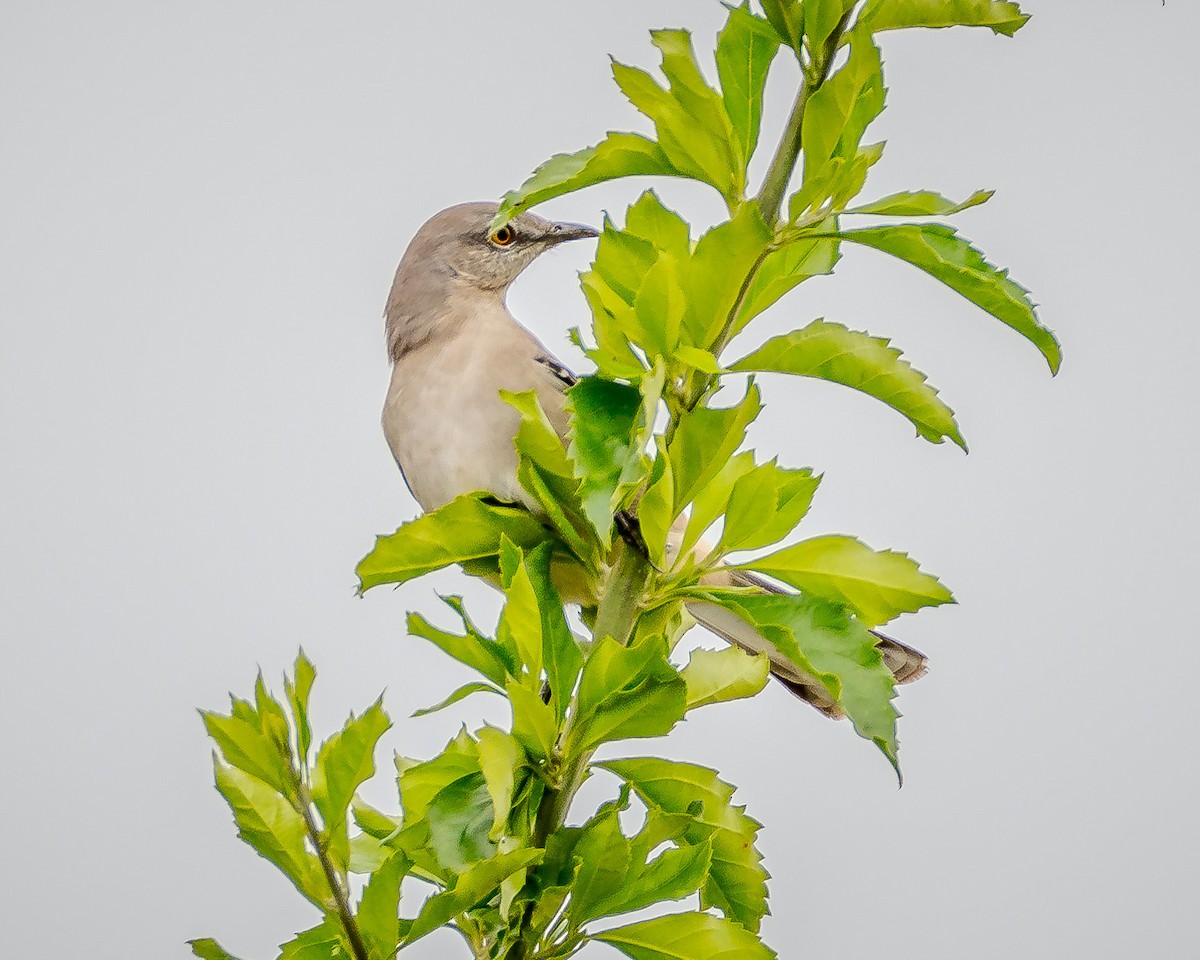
(454, 346)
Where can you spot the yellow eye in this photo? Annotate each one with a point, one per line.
(504, 236)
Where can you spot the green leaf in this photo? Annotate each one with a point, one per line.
(839, 113)
(821, 18)
(520, 623)
(378, 911)
(326, 941)
(617, 155)
(787, 19)
(830, 351)
(473, 649)
(1000, 16)
(659, 307)
(717, 676)
(269, 823)
(534, 725)
(460, 694)
(561, 657)
(945, 256)
(421, 782)
(246, 747)
(718, 269)
(737, 880)
(467, 528)
(209, 949)
(686, 936)
(656, 509)
(627, 692)
(921, 203)
(711, 502)
(823, 640)
(782, 271)
(605, 429)
(346, 761)
(459, 821)
(499, 758)
(746, 47)
(481, 881)
(664, 229)
(297, 692)
(693, 129)
(765, 505)
(878, 585)
(603, 856)
(705, 440)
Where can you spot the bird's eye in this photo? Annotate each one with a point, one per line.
(504, 236)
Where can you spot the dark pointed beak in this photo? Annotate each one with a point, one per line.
(563, 232)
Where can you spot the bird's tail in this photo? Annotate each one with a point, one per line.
(905, 663)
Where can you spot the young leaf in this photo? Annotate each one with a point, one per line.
(821, 17)
(716, 676)
(378, 911)
(561, 657)
(823, 640)
(521, 620)
(737, 880)
(476, 651)
(715, 276)
(712, 501)
(467, 528)
(479, 881)
(604, 446)
(830, 351)
(840, 111)
(1000, 16)
(765, 505)
(245, 746)
(945, 256)
(603, 855)
(534, 725)
(746, 47)
(209, 949)
(662, 228)
(627, 692)
(421, 782)
(326, 941)
(705, 440)
(459, 824)
(617, 155)
(499, 758)
(920, 203)
(687, 936)
(460, 694)
(787, 19)
(297, 691)
(877, 585)
(782, 271)
(270, 824)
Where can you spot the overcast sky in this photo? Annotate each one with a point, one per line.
(201, 206)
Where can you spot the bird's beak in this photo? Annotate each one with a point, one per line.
(563, 232)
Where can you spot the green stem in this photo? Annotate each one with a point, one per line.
(332, 875)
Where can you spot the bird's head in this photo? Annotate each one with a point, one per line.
(458, 251)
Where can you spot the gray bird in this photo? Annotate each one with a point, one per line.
(454, 346)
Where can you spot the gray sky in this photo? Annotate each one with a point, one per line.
(201, 206)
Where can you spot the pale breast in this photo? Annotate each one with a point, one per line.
(444, 420)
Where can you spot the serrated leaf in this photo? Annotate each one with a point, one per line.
(627, 692)
(714, 276)
(270, 824)
(246, 747)
(480, 881)
(473, 649)
(944, 255)
(604, 446)
(830, 351)
(326, 941)
(460, 694)
(617, 155)
(737, 880)
(717, 676)
(468, 528)
(998, 15)
(765, 505)
(297, 689)
(459, 822)
(664, 229)
(534, 725)
(378, 911)
(603, 857)
(705, 440)
(823, 640)
(499, 758)
(821, 17)
(421, 782)
(920, 203)
(878, 585)
(344, 762)
(659, 307)
(782, 271)
(686, 936)
(746, 46)
(711, 502)
(786, 17)
(209, 949)
(840, 111)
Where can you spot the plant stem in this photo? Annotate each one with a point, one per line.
(332, 876)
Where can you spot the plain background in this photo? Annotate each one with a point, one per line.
(201, 206)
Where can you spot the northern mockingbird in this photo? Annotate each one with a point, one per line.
(454, 346)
